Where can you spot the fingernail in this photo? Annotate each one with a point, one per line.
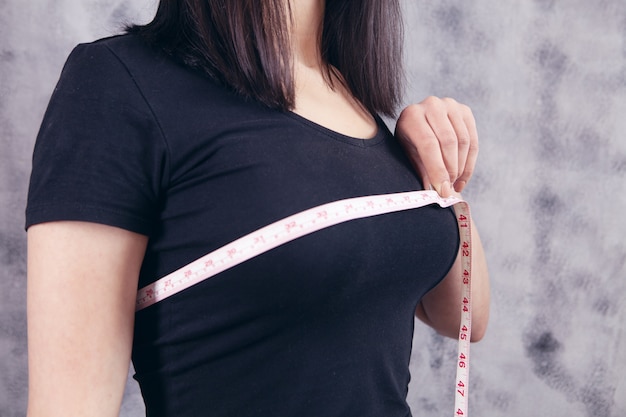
(459, 185)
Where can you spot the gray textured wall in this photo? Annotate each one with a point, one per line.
(547, 82)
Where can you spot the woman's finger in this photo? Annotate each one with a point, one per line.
(457, 119)
(424, 147)
(417, 163)
(437, 116)
(426, 183)
(472, 151)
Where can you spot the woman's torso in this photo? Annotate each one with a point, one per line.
(321, 326)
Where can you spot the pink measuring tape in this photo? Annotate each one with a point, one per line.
(317, 218)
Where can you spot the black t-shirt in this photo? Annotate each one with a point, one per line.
(321, 326)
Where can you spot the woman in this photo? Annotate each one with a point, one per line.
(212, 121)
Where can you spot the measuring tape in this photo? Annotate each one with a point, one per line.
(317, 218)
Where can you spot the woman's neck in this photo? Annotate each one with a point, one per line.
(324, 101)
(306, 32)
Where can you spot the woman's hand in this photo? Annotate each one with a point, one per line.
(439, 135)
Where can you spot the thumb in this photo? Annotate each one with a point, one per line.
(443, 188)
(422, 173)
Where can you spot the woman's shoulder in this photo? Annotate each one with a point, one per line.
(160, 77)
(126, 52)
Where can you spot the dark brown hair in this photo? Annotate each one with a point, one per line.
(244, 44)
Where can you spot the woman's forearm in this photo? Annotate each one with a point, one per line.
(440, 308)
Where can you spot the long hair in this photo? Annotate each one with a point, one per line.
(245, 45)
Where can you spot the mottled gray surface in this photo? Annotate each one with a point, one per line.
(547, 82)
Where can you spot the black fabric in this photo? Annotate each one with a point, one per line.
(321, 326)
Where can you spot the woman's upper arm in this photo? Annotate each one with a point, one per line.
(82, 283)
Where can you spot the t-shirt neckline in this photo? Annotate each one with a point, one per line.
(378, 137)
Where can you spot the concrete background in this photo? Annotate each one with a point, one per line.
(547, 83)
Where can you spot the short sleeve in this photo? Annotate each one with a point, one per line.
(99, 155)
